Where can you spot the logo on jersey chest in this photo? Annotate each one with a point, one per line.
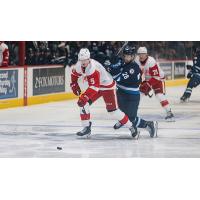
(131, 71)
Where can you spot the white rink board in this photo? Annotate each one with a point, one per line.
(36, 131)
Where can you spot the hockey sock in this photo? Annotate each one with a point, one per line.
(140, 123)
(121, 117)
(85, 115)
(163, 101)
(188, 92)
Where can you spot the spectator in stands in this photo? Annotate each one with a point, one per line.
(69, 49)
(4, 54)
(47, 56)
(30, 59)
(41, 58)
(37, 57)
(13, 53)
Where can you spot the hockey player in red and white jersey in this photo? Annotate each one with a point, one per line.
(153, 79)
(4, 54)
(100, 84)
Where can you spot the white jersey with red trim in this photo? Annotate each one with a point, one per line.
(106, 80)
(4, 54)
(150, 69)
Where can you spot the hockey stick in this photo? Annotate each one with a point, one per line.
(150, 95)
(120, 50)
(186, 58)
(84, 111)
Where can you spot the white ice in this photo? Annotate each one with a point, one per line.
(37, 131)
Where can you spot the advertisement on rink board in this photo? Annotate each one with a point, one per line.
(167, 68)
(48, 80)
(8, 84)
(173, 69)
(179, 70)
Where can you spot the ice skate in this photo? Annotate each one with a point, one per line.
(170, 117)
(118, 125)
(86, 131)
(184, 99)
(134, 132)
(152, 127)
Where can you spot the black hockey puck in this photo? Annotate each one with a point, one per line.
(59, 148)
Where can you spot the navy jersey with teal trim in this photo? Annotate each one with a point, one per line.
(127, 76)
(196, 65)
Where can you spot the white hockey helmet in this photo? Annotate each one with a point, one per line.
(84, 54)
(142, 50)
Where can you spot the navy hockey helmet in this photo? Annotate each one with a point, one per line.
(196, 50)
(129, 50)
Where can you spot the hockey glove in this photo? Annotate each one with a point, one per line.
(189, 75)
(83, 99)
(107, 65)
(189, 67)
(75, 88)
(145, 87)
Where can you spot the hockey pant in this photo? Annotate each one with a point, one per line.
(129, 103)
(159, 90)
(193, 82)
(110, 99)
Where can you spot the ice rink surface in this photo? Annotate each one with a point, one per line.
(37, 131)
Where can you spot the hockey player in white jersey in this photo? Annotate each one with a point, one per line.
(4, 54)
(153, 79)
(100, 84)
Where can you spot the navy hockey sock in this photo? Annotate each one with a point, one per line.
(140, 123)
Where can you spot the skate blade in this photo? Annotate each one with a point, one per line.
(137, 136)
(156, 129)
(88, 136)
(170, 120)
(186, 101)
(117, 128)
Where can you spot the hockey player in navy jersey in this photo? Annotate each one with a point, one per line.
(193, 75)
(127, 74)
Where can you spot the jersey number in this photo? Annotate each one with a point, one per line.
(92, 81)
(155, 72)
(125, 75)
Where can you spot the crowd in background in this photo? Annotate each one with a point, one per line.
(64, 52)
